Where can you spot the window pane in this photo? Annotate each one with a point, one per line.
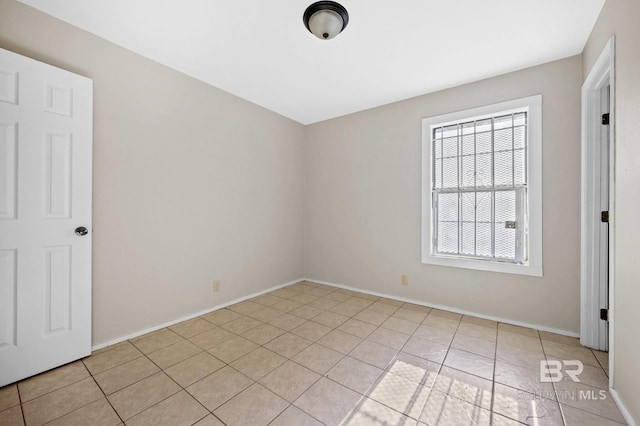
(483, 207)
(450, 169)
(468, 239)
(448, 207)
(502, 139)
(483, 142)
(505, 242)
(520, 119)
(503, 122)
(437, 174)
(483, 125)
(450, 147)
(468, 145)
(483, 239)
(519, 170)
(484, 173)
(505, 206)
(468, 207)
(469, 128)
(504, 168)
(519, 135)
(450, 131)
(467, 177)
(505, 238)
(448, 223)
(447, 238)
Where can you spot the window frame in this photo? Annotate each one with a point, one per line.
(533, 105)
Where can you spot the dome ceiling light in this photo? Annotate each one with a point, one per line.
(325, 19)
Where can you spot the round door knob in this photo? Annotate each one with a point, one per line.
(81, 230)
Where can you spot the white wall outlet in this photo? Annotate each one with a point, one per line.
(404, 279)
(216, 285)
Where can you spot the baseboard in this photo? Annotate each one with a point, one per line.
(447, 308)
(623, 409)
(343, 286)
(188, 317)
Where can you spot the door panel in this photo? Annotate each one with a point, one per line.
(8, 86)
(8, 299)
(8, 163)
(57, 175)
(57, 286)
(45, 194)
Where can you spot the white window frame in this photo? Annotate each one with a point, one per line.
(533, 266)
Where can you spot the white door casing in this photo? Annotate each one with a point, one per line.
(46, 117)
(597, 283)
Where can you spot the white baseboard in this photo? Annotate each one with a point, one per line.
(188, 317)
(343, 286)
(623, 409)
(448, 308)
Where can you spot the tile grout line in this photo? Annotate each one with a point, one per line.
(290, 404)
(239, 372)
(493, 381)
(54, 390)
(58, 389)
(24, 421)
(555, 390)
(443, 359)
(172, 395)
(115, 366)
(449, 346)
(600, 364)
(103, 392)
(137, 381)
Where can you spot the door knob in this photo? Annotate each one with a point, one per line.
(81, 230)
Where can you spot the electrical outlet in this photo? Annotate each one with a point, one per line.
(216, 285)
(404, 279)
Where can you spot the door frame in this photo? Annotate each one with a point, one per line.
(601, 75)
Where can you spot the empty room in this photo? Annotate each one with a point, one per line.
(319, 213)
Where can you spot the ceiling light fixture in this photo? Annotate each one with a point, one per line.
(325, 19)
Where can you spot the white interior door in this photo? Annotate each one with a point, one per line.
(45, 204)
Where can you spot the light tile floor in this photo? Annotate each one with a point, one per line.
(309, 354)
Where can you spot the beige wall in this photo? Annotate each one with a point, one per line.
(191, 184)
(620, 18)
(363, 202)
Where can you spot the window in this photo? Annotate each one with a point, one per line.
(482, 201)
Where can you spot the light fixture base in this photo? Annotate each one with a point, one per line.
(322, 19)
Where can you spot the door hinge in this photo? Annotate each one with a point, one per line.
(605, 119)
(604, 314)
(604, 217)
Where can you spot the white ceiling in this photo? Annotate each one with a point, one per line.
(391, 50)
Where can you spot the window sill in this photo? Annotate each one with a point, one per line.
(484, 265)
